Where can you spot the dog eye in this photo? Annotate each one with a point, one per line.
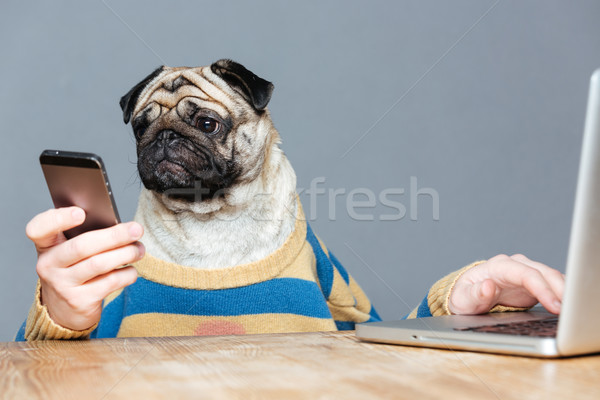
(208, 125)
(139, 132)
(139, 129)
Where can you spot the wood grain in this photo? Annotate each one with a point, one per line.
(281, 366)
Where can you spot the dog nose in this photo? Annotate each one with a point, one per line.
(166, 135)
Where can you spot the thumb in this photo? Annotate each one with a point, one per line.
(477, 298)
(484, 296)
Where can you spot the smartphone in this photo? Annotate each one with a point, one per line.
(80, 179)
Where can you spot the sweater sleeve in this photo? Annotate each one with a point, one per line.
(346, 300)
(39, 325)
(435, 303)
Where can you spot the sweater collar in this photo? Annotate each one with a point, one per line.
(171, 274)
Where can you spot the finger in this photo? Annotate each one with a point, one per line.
(45, 228)
(555, 279)
(103, 285)
(103, 263)
(94, 242)
(538, 287)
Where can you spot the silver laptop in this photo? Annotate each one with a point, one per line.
(536, 332)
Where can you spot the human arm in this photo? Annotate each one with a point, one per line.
(502, 283)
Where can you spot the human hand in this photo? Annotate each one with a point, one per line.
(77, 274)
(514, 281)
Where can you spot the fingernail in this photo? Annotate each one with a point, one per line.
(557, 304)
(135, 230)
(141, 249)
(78, 214)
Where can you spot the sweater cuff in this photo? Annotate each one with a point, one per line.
(439, 294)
(41, 327)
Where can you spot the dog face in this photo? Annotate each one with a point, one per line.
(199, 131)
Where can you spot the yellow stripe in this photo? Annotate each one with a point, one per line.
(349, 314)
(340, 294)
(304, 265)
(413, 313)
(362, 301)
(156, 324)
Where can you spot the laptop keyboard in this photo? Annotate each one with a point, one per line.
(537, 328)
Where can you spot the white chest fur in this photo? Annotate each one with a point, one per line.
(253, 222)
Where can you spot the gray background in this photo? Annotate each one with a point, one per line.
(492, 121)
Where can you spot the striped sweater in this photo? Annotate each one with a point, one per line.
(300, 287)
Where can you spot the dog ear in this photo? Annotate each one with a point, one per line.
(128, 101)
(254, 89)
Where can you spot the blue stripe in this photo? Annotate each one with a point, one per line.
(339, 267)
(282, 295)
(110, 320)
(324, 266)
(21, 334)
(373, 314)
(345, 325)
(423, 310)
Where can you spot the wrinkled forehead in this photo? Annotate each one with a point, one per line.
(198, 84)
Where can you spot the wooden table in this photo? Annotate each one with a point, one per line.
(281, 366)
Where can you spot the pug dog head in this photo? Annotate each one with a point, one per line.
(201, 131)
